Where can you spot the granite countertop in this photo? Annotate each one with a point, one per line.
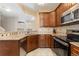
(19, 37)
(75, 43)
(12, 37)
(15, 37)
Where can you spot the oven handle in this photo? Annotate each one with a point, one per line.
(61, 42)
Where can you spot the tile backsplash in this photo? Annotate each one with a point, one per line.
(63, 29)
(44, 30)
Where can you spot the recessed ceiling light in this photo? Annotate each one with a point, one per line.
(33, 18)
(8, 10)
(41, 3)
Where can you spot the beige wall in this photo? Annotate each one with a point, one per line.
(28, 10)
(9, 23)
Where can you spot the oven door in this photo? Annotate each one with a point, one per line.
(60, 47)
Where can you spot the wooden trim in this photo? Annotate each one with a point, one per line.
(47, 26)
(56, 8)
(44, 12)
(52, 10)
(19, 48)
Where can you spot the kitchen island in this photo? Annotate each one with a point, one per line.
(10, 45)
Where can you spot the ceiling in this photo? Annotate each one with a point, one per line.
(47, 7)
(12, 9)
(9, 9)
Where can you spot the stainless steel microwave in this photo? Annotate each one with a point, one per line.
(70, 15)
(67, 18)
(76, 13)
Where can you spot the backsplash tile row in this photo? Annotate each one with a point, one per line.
(63, 29)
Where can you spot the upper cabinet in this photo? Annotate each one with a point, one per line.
(47, 19)
(44, 19)
(60, 10)
(53, 19)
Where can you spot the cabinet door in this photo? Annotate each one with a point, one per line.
(44, 19)
(74, 50)
(57, 17)
(52, 42)
(45, 41)
(47, 19)
(52, 19)
(32, 42)
(41, 17)
(49, 41)
(34, 39)
(41, 41)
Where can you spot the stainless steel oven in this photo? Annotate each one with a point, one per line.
(62, 43)
(61, 48)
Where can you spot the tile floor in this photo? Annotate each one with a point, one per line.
(41, 52)
(22, 52)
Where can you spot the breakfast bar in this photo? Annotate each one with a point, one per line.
(10, 45)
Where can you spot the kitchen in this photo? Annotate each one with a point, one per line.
(27, 28)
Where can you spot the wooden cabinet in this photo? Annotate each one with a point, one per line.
(9, 48)
(44, 19)
(45, 41)
(47, 19)
(30, 43)
(74, 50)
(38, 41)
(52, 19)
(52, 42)
(41, 41)
(62, 8)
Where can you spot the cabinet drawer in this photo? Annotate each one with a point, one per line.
(74, 50)
(73, 46)
(74, 54)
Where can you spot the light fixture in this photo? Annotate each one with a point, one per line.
(41, 3)
(8, 10)
(33, 18)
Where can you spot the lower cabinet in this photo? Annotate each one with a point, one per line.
(52, 42)
(45, 41)
(30, 43)
(37, 41)
(9, 48)
(74, 50)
